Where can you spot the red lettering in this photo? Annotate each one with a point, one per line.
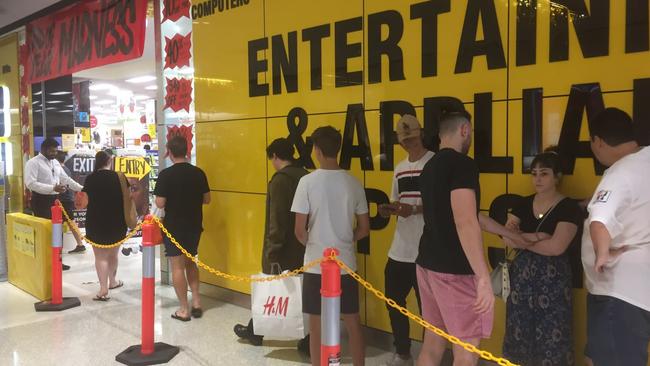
(268, 307)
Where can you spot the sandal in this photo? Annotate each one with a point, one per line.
(183, 319)
(197, 312)
(103, 298)
(119, 284)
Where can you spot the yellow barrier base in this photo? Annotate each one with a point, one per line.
(29, 254)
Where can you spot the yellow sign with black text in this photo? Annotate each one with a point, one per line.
(531, 73)
(132, 167)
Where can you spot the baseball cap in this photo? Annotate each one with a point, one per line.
(407, 127)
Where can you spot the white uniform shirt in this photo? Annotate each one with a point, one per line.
(622, 204)
(42, 175)
(332, 199)
(406, 189)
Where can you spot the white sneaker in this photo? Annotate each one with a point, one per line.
(396, 360)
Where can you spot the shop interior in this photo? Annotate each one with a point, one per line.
(112, 107)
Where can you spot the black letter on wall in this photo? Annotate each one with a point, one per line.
(583, 96)
(285, 62)
(315, 36)
(343, 51)
(641, 111)
(297, 121)
(356, 119)
(636, 26)
(526, 32)
(531, 117)
(490, 46)
(389, 47)
(255, 66)
(428, 11)
(592, 29)
(376, 222)
(483, 138)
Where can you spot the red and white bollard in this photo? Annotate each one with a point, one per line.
(58, 302)
(330, 349)
(148, 352)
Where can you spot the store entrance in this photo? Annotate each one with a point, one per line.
(109, 108)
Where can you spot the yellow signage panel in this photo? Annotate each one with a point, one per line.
(24, 239)
(132, 167)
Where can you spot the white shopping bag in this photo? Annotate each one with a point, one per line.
(277, 308)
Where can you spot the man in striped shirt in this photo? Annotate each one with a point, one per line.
(406, 204)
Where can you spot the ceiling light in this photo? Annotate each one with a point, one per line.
(141, 97)
(92, 97)
(50, 108)
(117, 92)
(60, 93)
(141, 79)
(151, 87)
(104, 102)
(53, 101)
(101, 87)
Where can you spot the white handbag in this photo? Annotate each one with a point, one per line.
(277, 308)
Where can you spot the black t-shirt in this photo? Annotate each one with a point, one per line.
(440, 248)
(183, 185)
(567, 210)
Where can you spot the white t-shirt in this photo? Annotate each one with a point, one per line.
(332, 199)
(406, 189)
(622, 204)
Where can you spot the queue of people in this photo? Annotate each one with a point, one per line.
(437, 248)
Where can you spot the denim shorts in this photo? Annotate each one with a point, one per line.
(618, 332)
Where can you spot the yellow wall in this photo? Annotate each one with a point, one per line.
(233, 127)
(9, 56)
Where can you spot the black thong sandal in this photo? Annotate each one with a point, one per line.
(183, 319)
(119, 284)
(197, 312)
(101, 298)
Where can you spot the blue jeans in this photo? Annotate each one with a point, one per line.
(618, 332)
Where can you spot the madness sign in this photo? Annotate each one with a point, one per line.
(179, 94)
(85, 35)
(175, 9)
(178, 51)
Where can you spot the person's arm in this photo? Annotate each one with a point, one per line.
(363, 227)
(463, 205)
(300, 229)
(300, 206)
(602, 241)
(280, 195)
(207, 198)
(31, 180)
(556, 244)
(491, 226)
(65, 180)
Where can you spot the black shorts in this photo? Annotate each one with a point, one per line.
(617, 332)
(311, 294)
(188, 240)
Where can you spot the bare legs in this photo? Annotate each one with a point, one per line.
(184, 273)
(106, 267)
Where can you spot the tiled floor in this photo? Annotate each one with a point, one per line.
(95, 332)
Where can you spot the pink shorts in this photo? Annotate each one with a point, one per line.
(448, 303)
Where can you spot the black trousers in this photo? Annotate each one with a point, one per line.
(400, 278)
(42, 204)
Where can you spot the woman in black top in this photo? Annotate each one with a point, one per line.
(539, 308)
(105, 222)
